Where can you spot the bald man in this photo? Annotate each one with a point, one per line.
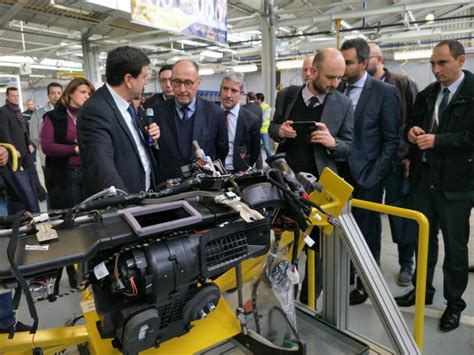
(395, 182)
(332, 113)
(306, 69)
(186, 118)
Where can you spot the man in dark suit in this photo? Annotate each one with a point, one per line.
(185, 119)
(395, 182)
(243, 127)
(376, 129)
(252, 106)
(441, 131)
(112, 141)
(332, 112)
(13, 129)
(164, 76)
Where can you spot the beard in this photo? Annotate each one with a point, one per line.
(321, 89)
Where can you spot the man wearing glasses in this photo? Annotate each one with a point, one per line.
(188, 118)
(166, 89)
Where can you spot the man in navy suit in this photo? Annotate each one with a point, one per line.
(376, 128)
(185, 119)
(113, 147)
(243, 127)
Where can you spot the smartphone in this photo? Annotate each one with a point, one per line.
(304, 129)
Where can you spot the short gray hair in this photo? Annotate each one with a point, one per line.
(236, 77)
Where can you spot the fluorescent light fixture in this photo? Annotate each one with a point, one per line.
(345, 24)
(206, 71)
(424, 53)
(430, 17)
(289, 64)
(246, 68)
(37, 76)
(190, 43)
(212, 54)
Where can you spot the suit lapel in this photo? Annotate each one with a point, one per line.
(118, 115)
(292, 97)
(199, 115)
(363, 99)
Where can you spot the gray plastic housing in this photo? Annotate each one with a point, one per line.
(168, 216)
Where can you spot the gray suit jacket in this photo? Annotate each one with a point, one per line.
(337, 115)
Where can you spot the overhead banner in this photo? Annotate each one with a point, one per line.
(205, 19)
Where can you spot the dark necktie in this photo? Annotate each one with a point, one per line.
(133, 113)
(443, 104)
(313, 101)
(185, 112)
(349, 88)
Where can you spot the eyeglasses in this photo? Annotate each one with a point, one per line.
(187, 83)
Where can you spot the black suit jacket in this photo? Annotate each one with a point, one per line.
(11, 132)
(109, 154)
(452, 161)
(376, 132)
(209, 130)
(255, 109)
(247, 138)
(337, 115)
(154, 100)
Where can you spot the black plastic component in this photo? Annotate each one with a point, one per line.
(206, 294)
(263, 195)
(140, 331)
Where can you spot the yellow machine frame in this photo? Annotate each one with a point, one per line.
(223, 324)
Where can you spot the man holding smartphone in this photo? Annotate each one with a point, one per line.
(327, 133)
(313, 124)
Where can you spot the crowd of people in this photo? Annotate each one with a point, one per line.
(371, 126)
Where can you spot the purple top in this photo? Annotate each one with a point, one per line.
(53, 149)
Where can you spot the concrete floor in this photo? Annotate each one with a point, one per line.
(362, 318)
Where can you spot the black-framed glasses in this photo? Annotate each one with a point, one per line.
(187, 83)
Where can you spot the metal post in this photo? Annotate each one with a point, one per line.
(268, 53)
(91, 63)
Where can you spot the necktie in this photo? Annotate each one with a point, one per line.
(226, 113)
(349, 89)
(313, 101)
(443, 104)
(185, 110)
(133, 114)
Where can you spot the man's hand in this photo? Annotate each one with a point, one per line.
(3, 156)
(323, 136)
(414, 132)
(425, 141)
(406, 167)
(153, 131)
(18, 154)
(31, 148)
(286, 130)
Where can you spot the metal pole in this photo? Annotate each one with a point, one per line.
(268, 53)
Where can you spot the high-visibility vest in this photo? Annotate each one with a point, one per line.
(267, 117)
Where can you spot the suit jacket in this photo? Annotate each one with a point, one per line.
(154, 100)
(247, 136)
(209, 130)
(452, 160)
(255, 109)
(376, 130)
(12, 132)
(337, 115)
(109, 154)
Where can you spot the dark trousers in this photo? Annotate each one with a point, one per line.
(7, 316)
(403, 230)
(452, 216)
(369, 222)
(75, 186)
